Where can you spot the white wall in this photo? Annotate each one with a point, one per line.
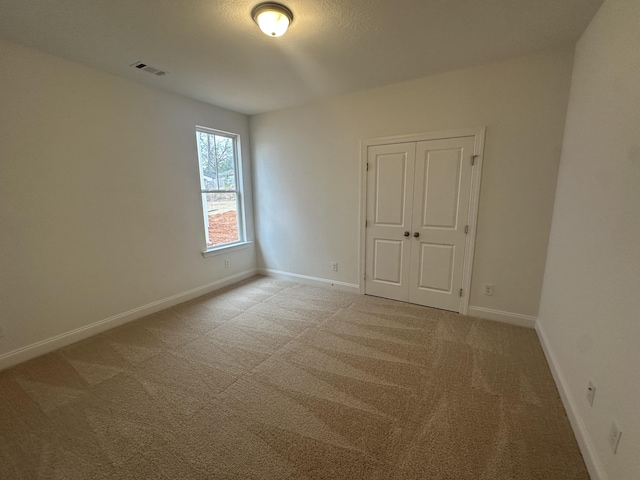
(590, 308)
(307, 171)
(100, 210)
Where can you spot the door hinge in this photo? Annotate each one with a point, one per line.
(367, 166)
(473, 159)
(466, 229)
(366, 223)
(460, 292)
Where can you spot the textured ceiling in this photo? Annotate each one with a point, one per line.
(215, 53)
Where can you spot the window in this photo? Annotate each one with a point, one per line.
(221, 188)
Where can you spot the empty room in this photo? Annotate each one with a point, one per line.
(337, 239)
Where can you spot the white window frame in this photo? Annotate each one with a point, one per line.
(239, 191)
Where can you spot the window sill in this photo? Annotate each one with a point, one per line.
(226, 249)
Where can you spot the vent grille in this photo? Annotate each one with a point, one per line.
(154, 71)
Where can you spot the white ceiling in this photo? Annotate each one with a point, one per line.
(215, 53)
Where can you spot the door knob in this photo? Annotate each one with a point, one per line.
(416, 234)
(406, 234)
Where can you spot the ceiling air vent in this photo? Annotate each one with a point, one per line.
(143, 66)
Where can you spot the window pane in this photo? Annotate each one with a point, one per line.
(216, 154)
(224, 154)
(207, 165)
(222, 216)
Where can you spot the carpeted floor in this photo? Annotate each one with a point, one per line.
(274, 380)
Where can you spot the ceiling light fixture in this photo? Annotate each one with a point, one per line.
(272, 18)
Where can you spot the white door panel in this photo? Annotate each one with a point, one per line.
(441, 205)
(441, 183)
(387, 261)
(389, 211)
(436, 267)
(391, 185)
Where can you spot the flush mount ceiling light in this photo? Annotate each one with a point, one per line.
(272, 18)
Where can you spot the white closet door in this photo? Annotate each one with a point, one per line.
(389, 208)
(442, 188)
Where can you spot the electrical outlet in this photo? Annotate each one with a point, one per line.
(334, 266)
(227, 264)
(488, 289)
(614, 436)
(591, 393)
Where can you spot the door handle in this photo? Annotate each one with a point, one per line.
(406, 234)
(416, 234)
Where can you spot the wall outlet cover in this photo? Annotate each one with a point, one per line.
(614, 436)
(591, 392)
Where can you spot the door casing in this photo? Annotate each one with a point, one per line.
(478, 151)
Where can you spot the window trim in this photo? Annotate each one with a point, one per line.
(226, 248)
(239, 192)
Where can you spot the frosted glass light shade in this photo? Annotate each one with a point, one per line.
(272, 18)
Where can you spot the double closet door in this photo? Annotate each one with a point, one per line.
(418, 197)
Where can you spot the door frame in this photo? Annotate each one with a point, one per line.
(474, 199)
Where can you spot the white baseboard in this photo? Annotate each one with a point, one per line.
(504, 317)
(307, 280)
(45, 346)
(584, 440)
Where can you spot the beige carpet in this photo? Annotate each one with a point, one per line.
(274, 380)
